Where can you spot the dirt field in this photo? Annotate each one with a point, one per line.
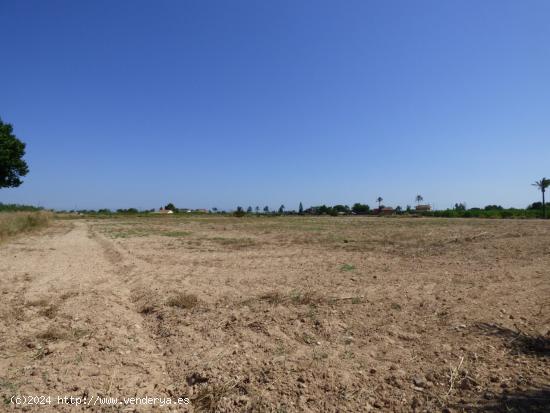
(280, 314)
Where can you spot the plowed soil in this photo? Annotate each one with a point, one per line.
(283, 314)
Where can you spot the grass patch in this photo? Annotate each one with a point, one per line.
(304, 297)
(176, 234)
(13, 223)
(183, 300)
(129, 232)
(347, 267)
(9, 389)
(234, 243)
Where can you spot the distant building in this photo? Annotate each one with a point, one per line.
(384, 211)
(164, 211)
(423, 208)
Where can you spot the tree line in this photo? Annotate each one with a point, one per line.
(13, 167)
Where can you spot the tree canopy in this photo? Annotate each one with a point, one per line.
(12, 165)
(170, 206)
(359, 208)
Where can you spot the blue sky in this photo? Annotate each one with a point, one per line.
(223, 103)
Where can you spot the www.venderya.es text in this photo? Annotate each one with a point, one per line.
(98, 401)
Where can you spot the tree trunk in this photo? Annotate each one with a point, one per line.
(543, 205)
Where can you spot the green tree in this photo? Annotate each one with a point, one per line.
(301, 209)
(323, 209)
(266, 209)
(341, 208)
(419, 199)
(239, 212)
(170, 206)
(249, 209)
(257, 209)
(542, 185)
(535, 205)
(379, 200)
(359, 208)
(12, 165)
(281, 209)
(460, 206)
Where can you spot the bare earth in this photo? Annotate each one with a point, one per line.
(280, 314)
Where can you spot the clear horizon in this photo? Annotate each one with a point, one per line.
(217, 104)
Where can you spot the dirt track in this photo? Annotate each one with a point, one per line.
(297, 314)
(71, 327)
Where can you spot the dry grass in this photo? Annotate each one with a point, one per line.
(208, 398)
(234, 243)
(296, 297)
(273, 297)
(13, 223)
(52, 333)
(50, 311)
(183, 300)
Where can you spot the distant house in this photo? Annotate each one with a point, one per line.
(202, 210)
(164, 211)
(383, 211)
(423, 208)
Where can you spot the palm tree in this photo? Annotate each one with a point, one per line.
(542, 185)
(379, 200)
(419, 199)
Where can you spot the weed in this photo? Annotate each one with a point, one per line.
(319, 355)
(395, 306)
(52, 333)
(304, 297)
(50, 311)
(41, 352)
(347, 267)
(183, 300)
(272, 297)
(10, 388)
(209, 397)
(306, 338)
(39, 302)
